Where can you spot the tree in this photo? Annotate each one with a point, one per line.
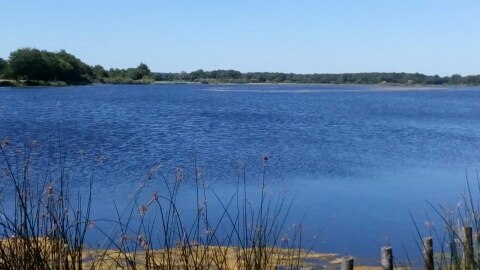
(69, 68)
(99, 72)
(3, 66)
(455, 79)
(143, 68)
(33, 64)
(198, 74)
(139, 72)
(30, 64)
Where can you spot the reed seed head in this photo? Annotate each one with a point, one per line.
(5, 142)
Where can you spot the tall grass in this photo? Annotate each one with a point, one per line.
(453, 250)
(44, 224)
(241, 235)
(41, 225)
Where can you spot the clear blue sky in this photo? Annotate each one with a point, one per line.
(303, 36)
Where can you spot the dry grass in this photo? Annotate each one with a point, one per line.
(46, 225)
(202, 257)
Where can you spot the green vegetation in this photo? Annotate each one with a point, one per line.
(3, 65)
(140, 74)
(29, 66)
(232, 76)
(35, 65)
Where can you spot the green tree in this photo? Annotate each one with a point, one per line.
(30, 64)
(144, 69)
(198, 74)
(99, 72)
(139, 72)
(69, 68)
(33, 64)
(3, 66)
(455, 79)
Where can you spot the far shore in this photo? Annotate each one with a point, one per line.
(375, 87)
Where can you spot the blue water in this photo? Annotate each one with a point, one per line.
(355, 159)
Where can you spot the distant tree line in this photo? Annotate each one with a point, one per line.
(232, 76)
(33, 66)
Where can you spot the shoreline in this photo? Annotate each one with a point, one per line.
(376, 87)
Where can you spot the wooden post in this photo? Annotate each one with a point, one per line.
(347, 263)
(467, 242)
(387, 258)
(428, 253)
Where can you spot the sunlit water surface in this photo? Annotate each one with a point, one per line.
(355, 160)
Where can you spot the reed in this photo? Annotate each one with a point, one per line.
(44, 224)
(458, 236)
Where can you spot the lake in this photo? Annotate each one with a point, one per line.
(355, 160)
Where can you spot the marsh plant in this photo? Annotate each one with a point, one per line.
(44, 221)
(457, 237)
(239, 234)
(42, 225)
